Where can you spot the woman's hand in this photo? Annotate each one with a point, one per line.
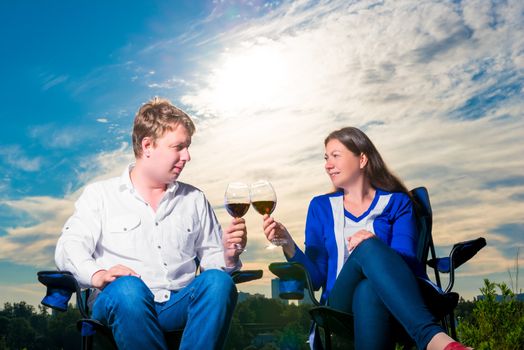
(357, 238)
(275, 230)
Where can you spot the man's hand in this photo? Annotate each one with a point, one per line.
(357, 238)
(234, 240)
(102, 278)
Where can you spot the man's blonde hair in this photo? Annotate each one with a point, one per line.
(156, 117)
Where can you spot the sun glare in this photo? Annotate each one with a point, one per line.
(249, 78)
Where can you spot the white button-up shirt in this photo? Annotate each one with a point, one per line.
(113, 225)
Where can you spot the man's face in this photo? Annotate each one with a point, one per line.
(169, 155)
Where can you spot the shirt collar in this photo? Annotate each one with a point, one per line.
(125, 178)
(125, 181)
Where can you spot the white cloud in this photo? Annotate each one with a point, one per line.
(31, 293)
(102, 120)
(53, 80)
(63, 137)
(34, 244)
(15, 157)
(169, 84)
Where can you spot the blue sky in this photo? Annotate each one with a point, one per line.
(438, 85)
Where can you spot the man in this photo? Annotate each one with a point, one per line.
(136, 238)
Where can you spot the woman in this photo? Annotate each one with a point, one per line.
(361, 247)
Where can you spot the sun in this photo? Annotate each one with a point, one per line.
(249, 78)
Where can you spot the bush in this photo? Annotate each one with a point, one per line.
(496, 323)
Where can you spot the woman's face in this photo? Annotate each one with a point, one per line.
(343, 166)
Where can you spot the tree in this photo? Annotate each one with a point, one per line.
(494, 324)
(62, 330)
(20, 335)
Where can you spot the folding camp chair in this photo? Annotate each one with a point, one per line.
(294, 278)
(61, 285)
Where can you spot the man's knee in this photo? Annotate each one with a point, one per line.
(128, 292)
(127, 285)
(219, 283)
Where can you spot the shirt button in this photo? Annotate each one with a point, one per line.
(156, 223)
(166, 296)
(158, 246)
(165, 264)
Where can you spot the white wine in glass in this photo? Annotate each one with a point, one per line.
(237, 201)
(264, 200)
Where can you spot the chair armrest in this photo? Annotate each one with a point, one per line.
(246, 275)
(440, 303)
(460, 254)
(293, 278)
(60, 287)
(463, 251)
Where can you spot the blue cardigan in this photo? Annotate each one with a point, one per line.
(390, 217)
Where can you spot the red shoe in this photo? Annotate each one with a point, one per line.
(455, 346)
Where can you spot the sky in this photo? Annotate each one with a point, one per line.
(437, 85)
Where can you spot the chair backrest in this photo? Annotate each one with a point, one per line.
(424, 221)
(424, 216)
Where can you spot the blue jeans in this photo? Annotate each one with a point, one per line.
(203, 309)
(379, 289)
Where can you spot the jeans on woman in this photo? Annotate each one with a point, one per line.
(203, 309)
(379, 289)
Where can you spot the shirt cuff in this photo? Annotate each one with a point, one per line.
(232, 269)
(88, 269)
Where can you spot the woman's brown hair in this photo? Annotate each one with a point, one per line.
(376, 170)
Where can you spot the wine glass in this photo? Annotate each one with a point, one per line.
(264, 200)
(237, 203)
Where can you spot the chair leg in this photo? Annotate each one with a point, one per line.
(452, 326)
(87, 342)
(327, 338)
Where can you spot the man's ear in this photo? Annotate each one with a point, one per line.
(147, 145)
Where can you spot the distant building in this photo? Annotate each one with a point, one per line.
(242, 296)
(520, 297)
(275, 291)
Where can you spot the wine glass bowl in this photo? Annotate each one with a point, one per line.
(237, 210)
(264, 207)
(237, 201)
(264, 200)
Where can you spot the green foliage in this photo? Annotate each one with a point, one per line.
(464, 309)
(20, 335)
(495, 323)
(23, 327)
